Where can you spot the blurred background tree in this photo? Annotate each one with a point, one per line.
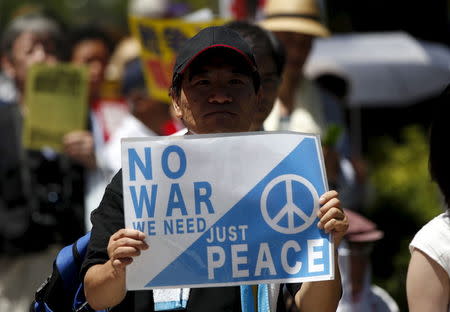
(111, 14)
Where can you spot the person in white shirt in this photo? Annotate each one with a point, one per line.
(428, 282)
(296, 23)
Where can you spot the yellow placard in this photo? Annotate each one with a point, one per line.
(160, 40)
(56, 102)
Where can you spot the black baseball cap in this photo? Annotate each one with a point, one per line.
(215, 37)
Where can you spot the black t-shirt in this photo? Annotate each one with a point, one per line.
(108, 218)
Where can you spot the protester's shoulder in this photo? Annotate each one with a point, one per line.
(434, 240)
(115, 186)
(438, 227)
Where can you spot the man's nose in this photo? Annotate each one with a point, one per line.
(96, 69)
(220, 95)
(41, 55)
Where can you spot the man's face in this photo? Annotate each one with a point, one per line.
(29, 48)
(270, 81)
(297, 48)
(216, 96)
(93, 53)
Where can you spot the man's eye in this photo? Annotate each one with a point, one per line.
(29, 50)
(201, 82)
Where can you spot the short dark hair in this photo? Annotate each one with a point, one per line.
(261, 39)
(91, 32)
(35, 22)
(439, 163)
(175, 88)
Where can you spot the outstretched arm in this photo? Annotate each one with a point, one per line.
(104, 284)
(325, 295)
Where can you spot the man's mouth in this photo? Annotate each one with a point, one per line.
(220, 113)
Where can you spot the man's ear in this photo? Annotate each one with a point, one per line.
(8, 67)
(176, 107)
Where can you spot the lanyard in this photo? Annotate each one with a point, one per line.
(248, 302)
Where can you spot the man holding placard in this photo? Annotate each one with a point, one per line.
(215, 89)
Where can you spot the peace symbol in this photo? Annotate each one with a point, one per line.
(290, 209)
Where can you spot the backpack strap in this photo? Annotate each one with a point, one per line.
(80, 247)
(69, 259)
(63, 288)
(40, 307)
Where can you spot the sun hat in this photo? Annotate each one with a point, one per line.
(215, 37)
(302, 16)
(361, 229)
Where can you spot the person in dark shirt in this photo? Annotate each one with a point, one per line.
(41, 191)
(215, 89)
(270, 57)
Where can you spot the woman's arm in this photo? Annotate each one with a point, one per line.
(427, 284)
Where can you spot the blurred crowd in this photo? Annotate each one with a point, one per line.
(46, 197)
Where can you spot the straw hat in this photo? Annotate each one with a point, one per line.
(127, 49)
(146, 8)
(301, 16)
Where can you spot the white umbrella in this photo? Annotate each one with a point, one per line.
(384, 69)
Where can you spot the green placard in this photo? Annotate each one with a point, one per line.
(56, 102)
